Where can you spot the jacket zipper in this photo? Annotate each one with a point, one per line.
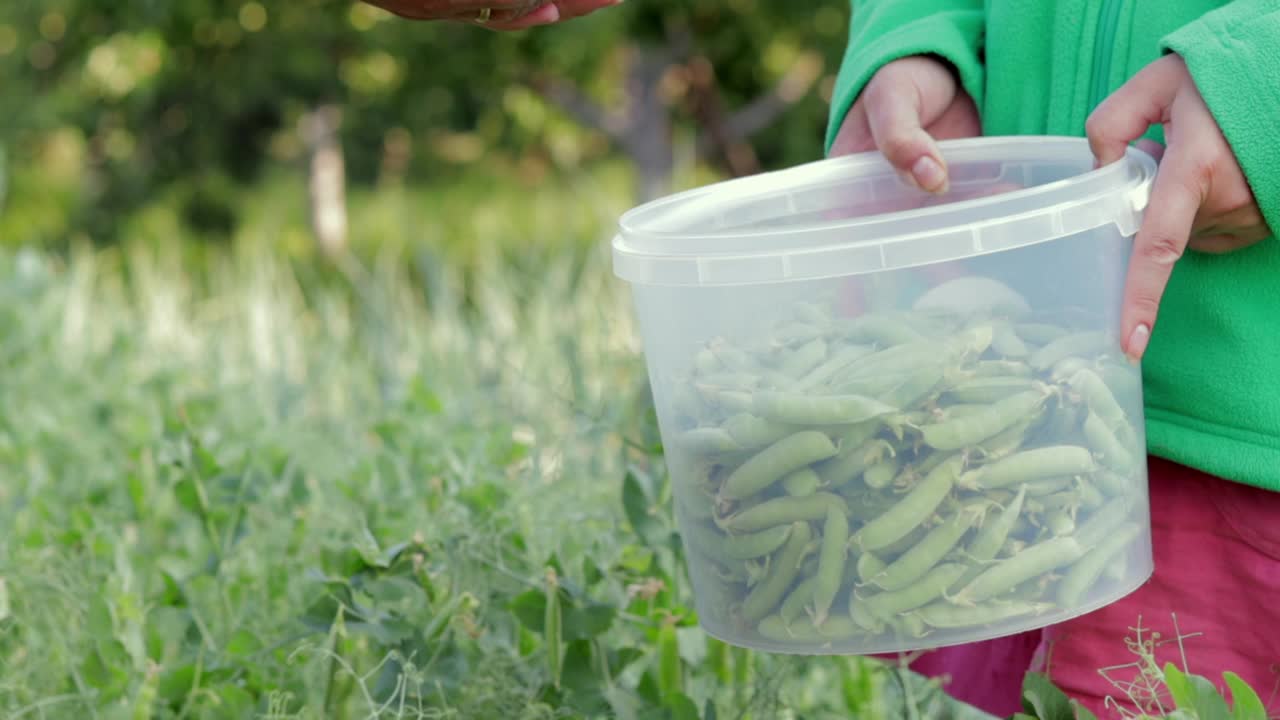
(1103, 46)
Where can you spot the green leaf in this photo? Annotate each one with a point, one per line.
(1195, 694)
(584, 623)
(1246, 705)
(1082, 712)
(709, 710)
(635, 558)
(530, 609)
(399, 593)
(422, 398)
(191, 495)
(243, 643)
(176, 682)
(636, 503)
(232, 701)
(1041, 697)
(681, 707)
(107, 669)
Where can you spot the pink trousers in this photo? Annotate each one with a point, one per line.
(1216, 584)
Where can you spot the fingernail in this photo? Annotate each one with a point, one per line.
(553, 14)
(1138, 342)
(929, 174)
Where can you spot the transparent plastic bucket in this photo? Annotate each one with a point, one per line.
(893, 420)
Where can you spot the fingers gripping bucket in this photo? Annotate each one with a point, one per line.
(893, 420)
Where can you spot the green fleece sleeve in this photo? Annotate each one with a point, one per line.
(1233, 54)
(881, 31)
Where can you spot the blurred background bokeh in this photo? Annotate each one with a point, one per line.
(205, 119)
(318, 397)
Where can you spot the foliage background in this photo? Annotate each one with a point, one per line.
(246, 474)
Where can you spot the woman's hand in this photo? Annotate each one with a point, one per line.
(501, 14)
(906, 106)
(1200, 198)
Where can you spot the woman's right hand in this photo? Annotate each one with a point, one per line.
(905, 108)
(494, 14)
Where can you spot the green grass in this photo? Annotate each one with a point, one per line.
(249, 487)
(237, 482)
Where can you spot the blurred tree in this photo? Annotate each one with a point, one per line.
(189, 101)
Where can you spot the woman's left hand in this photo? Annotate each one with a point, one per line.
(1200, 198)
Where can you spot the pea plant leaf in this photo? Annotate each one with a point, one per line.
(1195, 694)
(1041, 698)
(1082, 713)
(1246, 705)
(637, 501)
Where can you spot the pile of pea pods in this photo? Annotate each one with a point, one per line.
(908, 478)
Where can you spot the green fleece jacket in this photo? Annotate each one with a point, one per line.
(1212, 370)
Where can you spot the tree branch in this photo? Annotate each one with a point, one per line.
(569, 98)
(791, 88)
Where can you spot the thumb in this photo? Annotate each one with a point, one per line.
(894, 118)
(1137, 105)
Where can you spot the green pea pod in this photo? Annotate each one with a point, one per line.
(836, 628)
(1098, 397)
(1084, 574)
(916, 387)
(912, 510)
(831, 368)
(781, 511)
(1113, 484)
(1123, 380)
(771, 464)
(944, 615)
(989, 540)
(1090, 497)
(1039, 333)
(738, 547)
(800, 596)
(929, 588)
(1046, 486)
(1007, 343)
(705, 362)
(906, 542)
(777, 629)
(1008, 441)
(749, 432)
(1036, 560)
(831, 559)
(869, 565)
(881, 474)
(1028, 465)
(1103, 442)
(804, 359)
(1102, 523)
(958, 433)
(783, 569)
(818, 409)
(707, 441)
(862, 616)
(851, 462)
(801, 482)
(990, 389)
(1068, 366)
(1000, 368)
(921, 558)
(727, 400)
(797, 333)
(1060, 522)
